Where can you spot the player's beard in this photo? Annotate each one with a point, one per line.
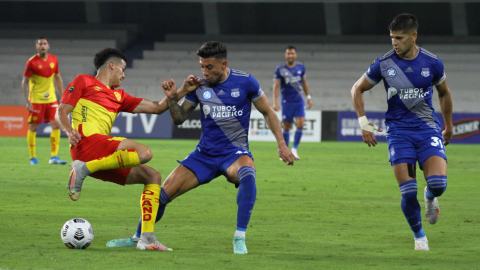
(42, 53)
(214, 80)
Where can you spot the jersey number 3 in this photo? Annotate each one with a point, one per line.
(437, 142)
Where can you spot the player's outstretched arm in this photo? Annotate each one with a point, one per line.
(263, 106)
(358, 88)
(159, 107)
(179, 113)
(62, 119)
(446, 106)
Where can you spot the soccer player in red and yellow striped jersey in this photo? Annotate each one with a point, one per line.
(39, 91)
(94, 103)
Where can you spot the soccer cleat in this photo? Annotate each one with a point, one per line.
(432, 209)
(129, 242)
(239, 246)
(155, 245)
(421, 243)
(295, 154)
(75, 181)
(56, 160)
(33, 161)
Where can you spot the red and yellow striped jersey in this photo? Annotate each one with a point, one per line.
(41, 72)
(96, 105)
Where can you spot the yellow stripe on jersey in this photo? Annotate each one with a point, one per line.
(42, 89)
(94, 118)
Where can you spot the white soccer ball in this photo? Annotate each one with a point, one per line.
(77, 233)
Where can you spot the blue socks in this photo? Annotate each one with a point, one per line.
(286, 136)
(164, 200)
(411, 207)
(298, 136)
(247, 193)
(436, 185)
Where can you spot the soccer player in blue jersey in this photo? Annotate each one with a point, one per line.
(290, 80)
(225, 98)
(414, 134)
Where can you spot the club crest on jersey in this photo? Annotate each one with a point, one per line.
(52, 65)
(206, 110)
(207, 94)
(425, 72)
(235, 92)
(391, 72)
(118, 96)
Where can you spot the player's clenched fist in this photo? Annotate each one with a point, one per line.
(170, 88)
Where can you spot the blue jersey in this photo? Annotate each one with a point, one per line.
(409, 86)
(225, 112)
(290, 82)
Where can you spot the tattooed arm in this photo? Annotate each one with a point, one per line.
(178, 112)
(158, 107)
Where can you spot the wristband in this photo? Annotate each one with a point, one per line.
(365, 124)
(309, 97)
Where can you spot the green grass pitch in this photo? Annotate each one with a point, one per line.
(336, 208)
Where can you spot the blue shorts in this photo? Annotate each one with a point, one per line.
(208, 167)
(292, 110)
(407, 147)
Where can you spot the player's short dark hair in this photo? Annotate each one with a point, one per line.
(102, 56)
(290, 47)
(40, 37)
(213, 49)
(404, 22)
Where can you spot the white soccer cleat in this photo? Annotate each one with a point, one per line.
(295, 154)
(432, 209)
(75, 182)
(421, 243)
(151, 243)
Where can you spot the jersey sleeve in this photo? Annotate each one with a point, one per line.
(374, 75)
(28, 69)
(276, 75)
(439, 73)
(304, 72)
(129, 103)
(192, 98)
(254, 91)
(74, 91)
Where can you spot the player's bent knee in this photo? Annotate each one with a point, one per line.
(145, 155)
